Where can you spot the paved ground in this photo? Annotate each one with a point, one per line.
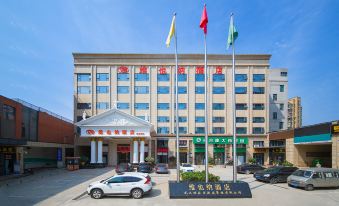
(60, 187)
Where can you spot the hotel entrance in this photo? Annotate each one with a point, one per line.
(123, 153)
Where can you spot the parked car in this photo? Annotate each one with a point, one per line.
(185, 167)
(314, 177)
(145, 168)
(161, 169)
(249, 168)
(274, 174)
(130, 183)
(124, 167)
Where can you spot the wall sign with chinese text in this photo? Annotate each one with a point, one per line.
(220, 140)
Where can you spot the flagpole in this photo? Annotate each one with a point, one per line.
(206, 113)
(233, 109)
(176, 103)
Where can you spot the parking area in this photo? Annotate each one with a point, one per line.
(60, 187)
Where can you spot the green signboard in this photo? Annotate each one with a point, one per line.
(220, 140)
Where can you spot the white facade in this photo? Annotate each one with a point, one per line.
(278, 99)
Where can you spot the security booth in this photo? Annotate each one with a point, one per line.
(72, 163)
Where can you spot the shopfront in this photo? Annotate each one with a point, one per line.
(162, 151)
(7, 160)
(219, 149)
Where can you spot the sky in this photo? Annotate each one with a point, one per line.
(38, 37)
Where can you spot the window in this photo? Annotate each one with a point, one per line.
(182, 90)
(199, 90)
(181, 106)
(277, 143)
(199, 106)
(131, 179)
(258, 130)
(218, 119)
(199, 77)
(241, 119)
(141, 106)
(163, 77)
(141, 77)
(199, 119)
(258, 119)
(141, 90)
(240, 90)
(163, 130)
(163, 90)
(241, 130)
(258, 144)
(218, 77)
(116, 180)
(258, 90)
(123, 89)
(123, 105)
(241, 77)
(163, 106)
(8, 112)
(84, 106)
(281, 106)
(275, 115)
(182, 119)
(218, 106)
(199, 130)
(182, 130)
(163, 119)
(275, 97)
(102, 105)
(102, 77)
(102, 89)
(84, 90)
(141, 117)
(281, 125)
(258, 106)
(84, 77)
(182, 77)
(241, 106)
(282, 88)
(218, 130)
(283, 74)
(218, 90)
(258, 77)
(123, 76)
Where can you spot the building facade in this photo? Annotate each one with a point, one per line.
(142, 86)
(294, 119)
(278, 99)
(32, 137)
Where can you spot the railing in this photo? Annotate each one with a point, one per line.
(32, 106)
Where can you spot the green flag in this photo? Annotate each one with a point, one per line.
(232, 34)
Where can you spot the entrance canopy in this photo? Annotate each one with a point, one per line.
(115, 123)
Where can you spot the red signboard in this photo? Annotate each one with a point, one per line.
(199, 70)
(162, 70)
(115, 132)
(162, 149)
(218, 70)
(124, 149)
(123, 69)
(181, 70)
(143, 70)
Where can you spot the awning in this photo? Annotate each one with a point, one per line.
(320, 138)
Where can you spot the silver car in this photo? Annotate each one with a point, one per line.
(314, 177)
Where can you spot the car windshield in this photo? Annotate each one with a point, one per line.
(187, 165)
(302, 173)
(161, 165)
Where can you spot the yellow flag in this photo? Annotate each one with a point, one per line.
(171, 32)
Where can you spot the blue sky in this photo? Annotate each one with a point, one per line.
(37, 39)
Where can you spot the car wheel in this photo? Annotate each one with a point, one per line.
(309, 187)
(137, 193)
(96, 193)
(274, 180)
(247, 172)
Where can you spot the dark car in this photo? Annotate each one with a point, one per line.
(124, 167)
(249, 168)
(275, 174)
(161, 169)
(145, 168)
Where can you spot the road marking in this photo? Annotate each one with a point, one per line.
(76, 198)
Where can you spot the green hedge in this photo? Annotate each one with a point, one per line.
(198, 176)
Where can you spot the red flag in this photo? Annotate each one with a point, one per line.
(204, 20)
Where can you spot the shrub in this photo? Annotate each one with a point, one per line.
(252, 160)
(198, 176)
(150, 160)
(316, 161)
(287, 164)
(211, 161)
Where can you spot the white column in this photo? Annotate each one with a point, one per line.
(99, 151)
(135, 151)
(93, 149)
(142, 151)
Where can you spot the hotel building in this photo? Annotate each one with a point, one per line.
(129, 104)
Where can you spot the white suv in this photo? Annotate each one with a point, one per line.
(133, 184)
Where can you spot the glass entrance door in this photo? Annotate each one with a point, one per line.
(259, 157)
(123, 153)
